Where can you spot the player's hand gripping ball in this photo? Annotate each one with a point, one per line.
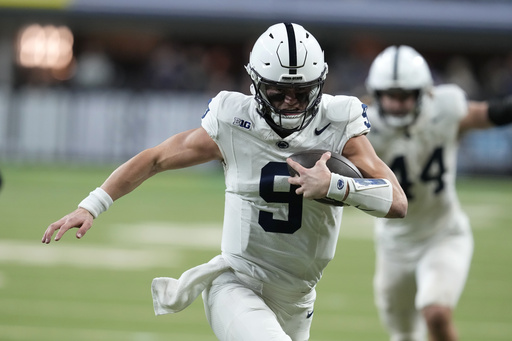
(337, 164)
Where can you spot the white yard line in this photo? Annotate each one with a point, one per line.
(200, 236)
(137, 246)
(86, 256)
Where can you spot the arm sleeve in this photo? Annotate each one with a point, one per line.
(372, 196)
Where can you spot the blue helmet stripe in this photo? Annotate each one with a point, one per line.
(292, 44)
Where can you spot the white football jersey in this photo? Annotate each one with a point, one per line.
(423, 157)
(270, 232)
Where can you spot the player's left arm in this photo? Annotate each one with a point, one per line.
(482, 115)
(360, 151)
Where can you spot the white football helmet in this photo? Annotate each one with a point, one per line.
(399, 68)
(287, 56)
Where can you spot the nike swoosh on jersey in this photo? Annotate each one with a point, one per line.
(319, 131)
(309, 314)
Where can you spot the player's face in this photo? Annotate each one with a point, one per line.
(289, 99)
(398, 103)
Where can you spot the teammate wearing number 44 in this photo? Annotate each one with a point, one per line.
(424, 259)
(276, 240)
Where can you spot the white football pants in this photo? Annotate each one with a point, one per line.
(240, 308)
(403, 287)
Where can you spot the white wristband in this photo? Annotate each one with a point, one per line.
(373, 196)
(338, 187)
(97, 202)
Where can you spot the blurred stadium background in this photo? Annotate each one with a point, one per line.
(86, 84)
(131, 73)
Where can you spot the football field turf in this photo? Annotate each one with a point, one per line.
(98, 288)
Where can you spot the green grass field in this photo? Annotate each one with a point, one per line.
(98, 288)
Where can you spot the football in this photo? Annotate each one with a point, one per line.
(336, 164)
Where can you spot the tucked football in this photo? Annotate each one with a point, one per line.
(336, 164)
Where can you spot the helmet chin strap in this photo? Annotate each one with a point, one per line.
(288, 120)
(279, 129)
(404, 121)
(399, 122)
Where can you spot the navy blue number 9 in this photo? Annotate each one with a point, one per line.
(267, 192)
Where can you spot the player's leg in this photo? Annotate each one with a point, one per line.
(237, 313)
(440, 323)
(294, 312)
(442, 274)
(395, 291)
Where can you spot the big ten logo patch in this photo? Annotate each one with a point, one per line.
(242, 123)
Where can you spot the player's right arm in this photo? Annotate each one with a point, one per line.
(182, 150)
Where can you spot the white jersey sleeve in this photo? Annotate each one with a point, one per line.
(349, 113)
(449, 100)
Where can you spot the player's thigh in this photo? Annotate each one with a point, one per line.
(237, 313)
(395, 293)
(394, 281)
(295, 315)
(443, 270)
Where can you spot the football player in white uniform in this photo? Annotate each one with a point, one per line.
(276, 241)
(422, 260)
